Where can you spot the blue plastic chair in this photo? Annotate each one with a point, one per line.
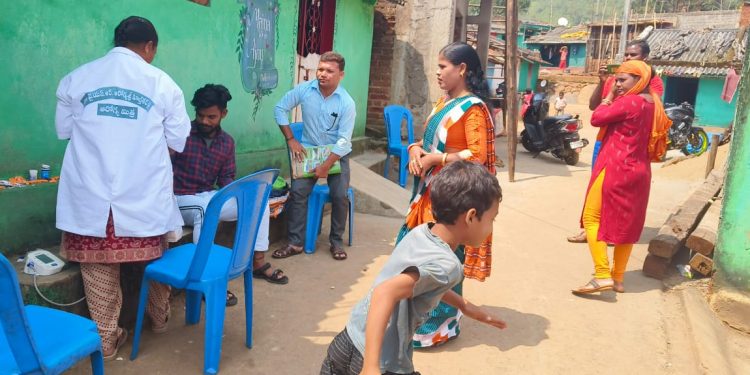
(394, 115)
(40, 340)
(206, 268)
(317, 201)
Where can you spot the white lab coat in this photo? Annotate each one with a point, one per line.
(120, 114)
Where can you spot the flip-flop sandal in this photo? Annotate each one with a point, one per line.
(231, 299)
(338, 253)
(596, 288)
(260, 273)
(122, 338)
(287, 252)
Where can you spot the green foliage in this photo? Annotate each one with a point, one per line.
(578, 12)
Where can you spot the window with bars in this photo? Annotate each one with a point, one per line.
(316, 23)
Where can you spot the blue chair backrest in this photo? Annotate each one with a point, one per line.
(297, 130)
(394, 115)
(251, 193)
(13, 320)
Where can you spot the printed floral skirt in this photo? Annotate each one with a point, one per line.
(111, 249)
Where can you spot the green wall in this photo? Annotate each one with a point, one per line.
(709, 108)
(577, 56)
(42, 40)
(733, 246)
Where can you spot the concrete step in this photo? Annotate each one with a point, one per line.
(374, 194)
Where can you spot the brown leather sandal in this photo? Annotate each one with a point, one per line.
(287, 252)
(338, 253)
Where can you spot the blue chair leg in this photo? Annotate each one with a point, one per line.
(193, 300)
(97, 362)
(350, 193)
(215, 309)
(142, 300)
(403, 168)
(387, 165)
(248, 308)
(314, 210)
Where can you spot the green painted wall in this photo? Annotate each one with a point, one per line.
(528, 74)
(353, 38)
(523, 74)
(577, 56)
(733, 247)
(42, 40)
(709, 108)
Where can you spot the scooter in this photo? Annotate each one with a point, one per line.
(683, 135)
(557, 135)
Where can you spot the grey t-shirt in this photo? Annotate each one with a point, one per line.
(439, 271)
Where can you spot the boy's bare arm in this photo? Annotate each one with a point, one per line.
(471, 310)
(384, 297)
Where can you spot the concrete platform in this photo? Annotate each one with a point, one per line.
(375, 195)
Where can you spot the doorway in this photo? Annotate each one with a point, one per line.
(678, 90)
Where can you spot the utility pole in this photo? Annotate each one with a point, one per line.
(511, 83)
(623, 32)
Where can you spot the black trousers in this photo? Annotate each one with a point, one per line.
(343, 358)
(338, 185)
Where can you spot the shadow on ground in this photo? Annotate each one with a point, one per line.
(524, 329)
(293, 323)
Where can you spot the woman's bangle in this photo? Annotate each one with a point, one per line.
(445, 158)
(408, 148)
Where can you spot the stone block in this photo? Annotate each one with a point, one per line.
(656, 267)
(702, 264)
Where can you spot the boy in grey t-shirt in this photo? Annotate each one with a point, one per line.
(417, 276)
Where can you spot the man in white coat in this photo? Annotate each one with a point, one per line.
(115, 201)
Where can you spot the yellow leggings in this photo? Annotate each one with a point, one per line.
(592, 211)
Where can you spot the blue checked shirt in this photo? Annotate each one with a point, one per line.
(328, 121)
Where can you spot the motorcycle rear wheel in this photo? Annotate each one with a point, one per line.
(697, 142)
(527, 143)
(571, 157)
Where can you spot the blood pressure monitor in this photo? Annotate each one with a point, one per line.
(43, 263)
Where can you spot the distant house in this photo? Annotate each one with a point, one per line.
(528, 67)
(526, 30)
(694, 65)
(604, 38)
(550, 44)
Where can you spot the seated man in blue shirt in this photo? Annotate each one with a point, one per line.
(328, 114)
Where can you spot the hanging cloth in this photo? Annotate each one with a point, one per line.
(730, 86)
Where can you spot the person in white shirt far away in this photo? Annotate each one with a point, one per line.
(560, 104)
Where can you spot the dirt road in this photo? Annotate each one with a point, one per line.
(550, 331)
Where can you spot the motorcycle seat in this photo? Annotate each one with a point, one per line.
(554, 119)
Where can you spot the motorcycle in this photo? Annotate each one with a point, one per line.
(557, 135)
(683, 135)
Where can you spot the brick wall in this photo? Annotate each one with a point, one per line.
(383, 40)
(745, 14)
